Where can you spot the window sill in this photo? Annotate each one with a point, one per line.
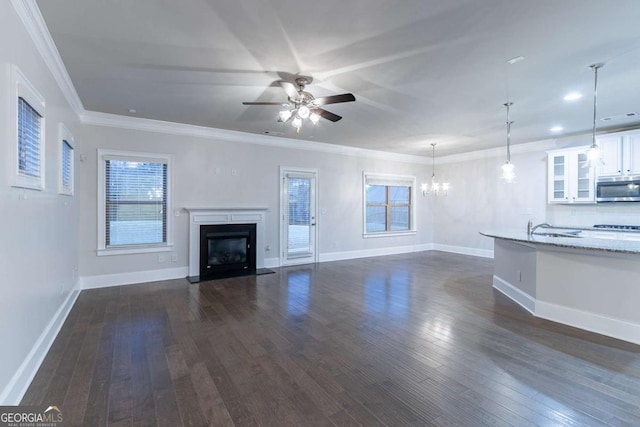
(28, 183)
(389, 234)
(133, 250)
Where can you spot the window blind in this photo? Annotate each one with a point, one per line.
(29, 138)
(67, 165)
(136, 202)
(388, 180)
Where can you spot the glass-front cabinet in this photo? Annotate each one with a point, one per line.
(570, 180)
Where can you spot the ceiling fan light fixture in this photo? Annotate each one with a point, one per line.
(303, 105)
(304, 112)
(285, 115)
(296, 123)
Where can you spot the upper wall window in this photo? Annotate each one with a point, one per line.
(27, 140)
(388, 204)
(134, 202)
(66, 161)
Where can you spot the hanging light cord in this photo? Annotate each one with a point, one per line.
(433, 162)
(509, 122)
(595, 101)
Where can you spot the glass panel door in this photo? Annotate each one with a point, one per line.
(299, 217)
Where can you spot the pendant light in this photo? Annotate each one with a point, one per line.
(436, 188)
(594, 156)
(508, 173)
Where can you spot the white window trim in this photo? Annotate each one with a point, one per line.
(22, 88)
(64, 134)
(102, 249)
(390, 179)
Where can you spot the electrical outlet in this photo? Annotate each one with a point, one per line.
(174, 257)
(161, 259)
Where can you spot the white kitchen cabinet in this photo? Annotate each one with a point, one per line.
(611, 153)
(569, 180)
(620, 154)
(631, 154)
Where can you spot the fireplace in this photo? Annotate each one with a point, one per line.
(227, 250)
(201, 217)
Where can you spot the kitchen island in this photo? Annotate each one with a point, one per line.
(587, 282)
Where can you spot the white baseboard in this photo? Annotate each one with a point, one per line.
(482, 253)
(107, 280)
(118, 279)
(597, 323)
(526, 301)
(271, 262)
(365, 253)
(16, 388)
(592, 322)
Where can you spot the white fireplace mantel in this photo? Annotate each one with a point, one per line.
(219, 216)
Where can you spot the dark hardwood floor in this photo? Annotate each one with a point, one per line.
(418, 339)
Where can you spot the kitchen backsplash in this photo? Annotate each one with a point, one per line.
(588, 215)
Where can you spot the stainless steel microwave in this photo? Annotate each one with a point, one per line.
(618, 189)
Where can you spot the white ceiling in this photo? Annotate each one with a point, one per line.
(422, 71)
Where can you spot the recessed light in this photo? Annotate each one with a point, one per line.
(556, 129)
(132, 111)
(572, 96)
(515, 60)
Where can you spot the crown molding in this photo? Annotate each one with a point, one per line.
(32, 20)
(150, 125)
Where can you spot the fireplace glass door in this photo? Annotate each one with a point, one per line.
(227, 250)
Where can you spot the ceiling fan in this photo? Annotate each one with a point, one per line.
(302, 105)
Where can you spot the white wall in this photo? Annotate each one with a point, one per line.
(202, 178)
(480, 200)
(38, 245)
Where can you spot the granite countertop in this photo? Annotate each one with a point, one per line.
(593, 243)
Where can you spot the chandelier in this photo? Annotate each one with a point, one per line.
(436, 188)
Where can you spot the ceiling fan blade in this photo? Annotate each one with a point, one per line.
(290, 88)
(265, 103)
(334, 99)
(326, 114)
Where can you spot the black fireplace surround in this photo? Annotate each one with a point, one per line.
(227, 250)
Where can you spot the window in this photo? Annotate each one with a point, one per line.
(388, 204)
(134, 202)
(28, 136)
(66, 161)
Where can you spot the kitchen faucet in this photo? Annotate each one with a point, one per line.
(531, 228)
